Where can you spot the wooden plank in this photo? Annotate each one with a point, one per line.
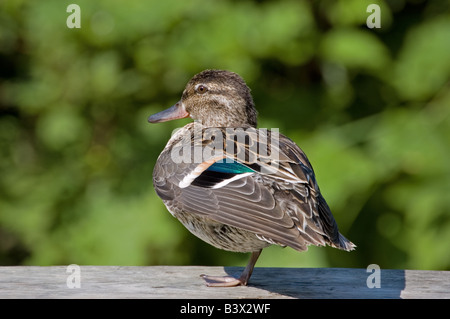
(184, 282)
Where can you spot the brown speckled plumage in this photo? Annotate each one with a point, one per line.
(242, 205)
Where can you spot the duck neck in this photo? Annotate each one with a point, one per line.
(227, 117)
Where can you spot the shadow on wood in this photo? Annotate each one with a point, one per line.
(325, 282)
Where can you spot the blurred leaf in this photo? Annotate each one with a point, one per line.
(354, 49)
(423, 66)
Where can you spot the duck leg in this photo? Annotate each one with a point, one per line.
(229, 281)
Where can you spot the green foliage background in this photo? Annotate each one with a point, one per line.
(370, 107)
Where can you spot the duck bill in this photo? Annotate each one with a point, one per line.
(177, 111)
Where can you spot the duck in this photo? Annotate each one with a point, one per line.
(235, 186)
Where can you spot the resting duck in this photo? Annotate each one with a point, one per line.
(234, 186)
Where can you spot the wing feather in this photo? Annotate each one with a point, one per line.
(278, 200)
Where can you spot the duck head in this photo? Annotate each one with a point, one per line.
(215, 98)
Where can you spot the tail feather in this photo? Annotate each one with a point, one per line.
(345, 244)
(337, 240)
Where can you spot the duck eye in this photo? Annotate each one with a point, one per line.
(201, 89)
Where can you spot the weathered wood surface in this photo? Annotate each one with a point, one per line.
(185, 282)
